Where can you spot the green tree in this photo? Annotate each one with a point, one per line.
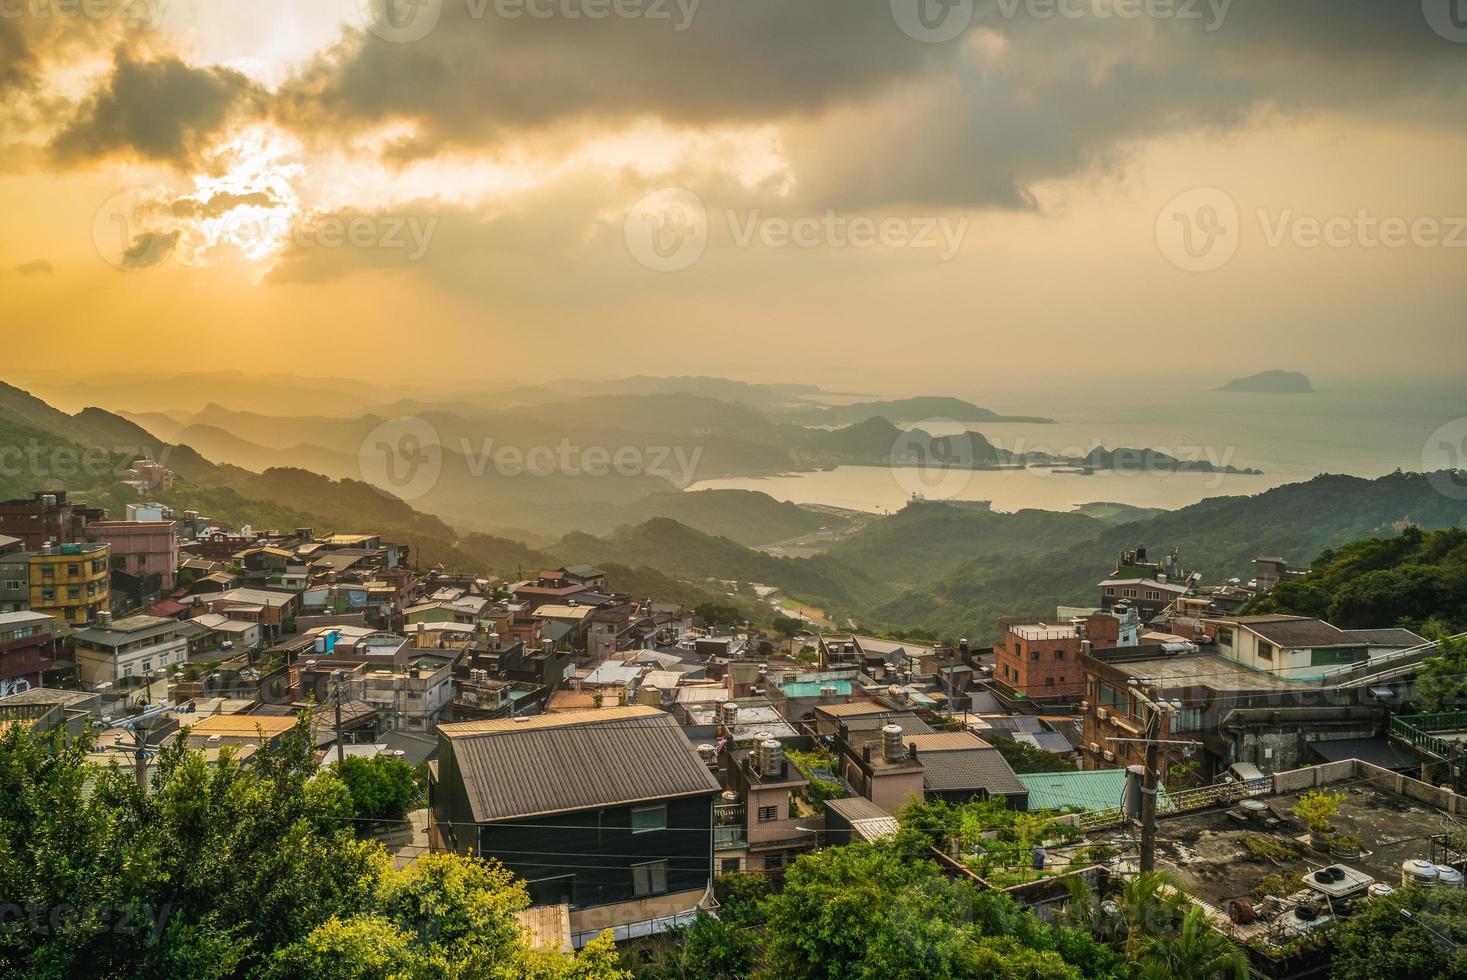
(1196, 951)
(716, 614)
(1442, 683)
(1029, 758)
(789, 627)
(1411, 934)
(381, 787)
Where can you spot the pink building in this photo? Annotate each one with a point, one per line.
(141, 547)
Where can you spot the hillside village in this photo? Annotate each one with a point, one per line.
(627, 758)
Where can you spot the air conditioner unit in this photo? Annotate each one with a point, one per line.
(1094, 747)
(1110, 756)
(1102, 714)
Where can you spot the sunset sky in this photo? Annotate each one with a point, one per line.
(832, 191)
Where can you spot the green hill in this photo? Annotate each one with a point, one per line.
(1413, 577)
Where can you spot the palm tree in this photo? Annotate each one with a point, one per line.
(1150, 904)
(1196, 951)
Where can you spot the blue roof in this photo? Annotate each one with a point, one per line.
(1094, 789)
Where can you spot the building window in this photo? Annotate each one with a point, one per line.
(1114, 699)
(1186, 720)
(768, 813)
(648, 818)
(1265, 650)
(729, 864)
(73, 592)
(1049, 682)
(73, 569)
(48, 594)
(649, 878)
(1034, 655)
(1059, 655)
(774, 862)
(1225, 637)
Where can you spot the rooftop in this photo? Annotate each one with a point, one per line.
(1092, 790)
(1292, 632)
(1204, 667)
(574, 761)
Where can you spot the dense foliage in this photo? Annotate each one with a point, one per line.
(1411, 579)
(381, 787)
(219, 870)
(1412, 934)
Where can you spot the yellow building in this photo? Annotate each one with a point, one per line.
(70, 581)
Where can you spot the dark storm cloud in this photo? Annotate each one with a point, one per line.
(480, 76)
(162, 110)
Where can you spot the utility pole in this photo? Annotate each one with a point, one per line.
(1151, 774)
(336, 701)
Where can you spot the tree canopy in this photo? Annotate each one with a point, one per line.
(221, 870)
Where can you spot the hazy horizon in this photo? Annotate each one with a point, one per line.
(854, 196)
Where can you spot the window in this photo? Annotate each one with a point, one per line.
(773, 862)
(48, 594)
(1265, 650)
(1224, 637)
(649, 878)
(13, 586)
(1034, 655)
(1049, 682)
(1329, 658)
(647, 818)
(1115, 699)
(1059, 655)
(768, 813)
(1187, 720)
(73, 592)
(73, 569)
(729, 864)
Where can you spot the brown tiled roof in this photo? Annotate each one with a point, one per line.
(1291, 632)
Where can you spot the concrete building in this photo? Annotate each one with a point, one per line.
(71, 581)
(48, 517)
(141, 548)
(27, 650)
(1039, 660)
(130, 650)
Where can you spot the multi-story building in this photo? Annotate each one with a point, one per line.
(762, 781)
(71, 581)
(15, 581)
(132, 650)
(1039, 660)
(140, 548)
(27, 644)
(46, 518)
(1147, 586)
(607, 812)
(1233, 711)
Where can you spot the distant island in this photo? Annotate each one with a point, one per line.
(1272, 383)
(916, 409)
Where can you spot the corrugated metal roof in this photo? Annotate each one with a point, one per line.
(574, 761)
(946, 741)
(969, 769)
(1093, 789)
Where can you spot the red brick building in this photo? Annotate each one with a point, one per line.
(1041, 660)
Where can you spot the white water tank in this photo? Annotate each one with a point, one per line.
(1415, 871)
(891, 741)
